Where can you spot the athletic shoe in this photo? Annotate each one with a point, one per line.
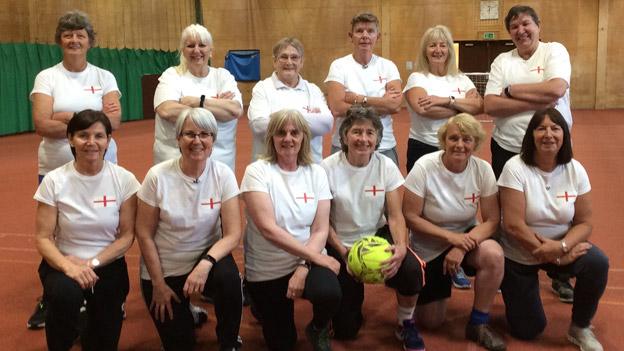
(200, 315)
(319, 338)
(563, 289)
(460, 280)
(408, 334)
(239, 345)
(485, 336)
(584, 338)
(37, 319)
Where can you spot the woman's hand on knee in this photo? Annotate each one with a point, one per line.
(161, 301)
(453, 261)
(196, 281)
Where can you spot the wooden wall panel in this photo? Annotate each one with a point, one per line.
(614, 79)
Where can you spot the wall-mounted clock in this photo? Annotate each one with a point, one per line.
(488, 9)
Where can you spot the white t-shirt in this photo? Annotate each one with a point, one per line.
(359, 194)
(271, 95)
(550, 198)
(549, 61)
(451, 200)
(173, 86)
(295, 196)
(190, 211)
(72, 92)
(88, 206)
(425, 129)
(370, 81)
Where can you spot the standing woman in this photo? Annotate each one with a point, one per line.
(445, 190)
(188, 223)
(366, 190)
(547, 222)
(70, 86)
(361, 77)
(193, 83)
(287, 201)
(285, 88)
(436, 91)
(85, 225)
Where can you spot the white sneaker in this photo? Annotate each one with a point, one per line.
(584, 338)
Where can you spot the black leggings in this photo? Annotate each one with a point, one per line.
(277, 311)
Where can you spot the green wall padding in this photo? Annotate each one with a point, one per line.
(20, 63)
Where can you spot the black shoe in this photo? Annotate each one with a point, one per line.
(37, 319)
(319, 338)
(563, 289)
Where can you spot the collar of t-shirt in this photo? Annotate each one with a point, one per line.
(280, 85)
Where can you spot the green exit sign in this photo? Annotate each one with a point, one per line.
(489, 35)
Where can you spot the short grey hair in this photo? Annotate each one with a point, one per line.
(202, 118)
(74, 20)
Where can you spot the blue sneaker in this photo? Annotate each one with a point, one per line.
(460, 280)
(408, 334)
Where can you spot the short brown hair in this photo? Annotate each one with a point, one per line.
(277, 122)
(364, 17)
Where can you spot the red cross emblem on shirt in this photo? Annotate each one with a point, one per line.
(211, 203)
(92, 89)
(565, 196)
(374, 190)
(308, 109)
(538, 69)
(104, 201)
(459, 91)
(473, 198)
(380, 79)
(305, 197)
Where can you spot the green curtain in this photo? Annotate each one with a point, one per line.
(20, 63)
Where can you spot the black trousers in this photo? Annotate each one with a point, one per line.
(500, 156)
(224, 285)
(64, 299)
(417, 149)
(277, 311)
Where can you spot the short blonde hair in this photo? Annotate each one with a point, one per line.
(434, 34)
(467, 124)
(277, 122)
(194, 31)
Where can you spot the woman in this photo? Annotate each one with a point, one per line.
(534, 76)
(444, 191)
(70, 86)
(362, 77)
(85, 225)
(285, 88)
(366, 190)
(545, 196)
(193, 83)
(188, 223)
(436, 91)
(287, 201)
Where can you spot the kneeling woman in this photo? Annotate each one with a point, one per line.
(85, 225)
(545, 196)
(444, 191)
(365, 184)
(288, 199)
(188, 223)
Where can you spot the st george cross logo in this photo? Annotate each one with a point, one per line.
(538, 70)
(472, 198)
(211, 203)
(305, 197)
(458, 91)
(566, 196)
(103, 202)
(92, 89)
(308, 109)
(380, 79)
(374, 190)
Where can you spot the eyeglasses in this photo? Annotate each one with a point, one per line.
(192, 135)
(285, 57)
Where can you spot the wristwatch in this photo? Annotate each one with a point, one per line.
(94, 262)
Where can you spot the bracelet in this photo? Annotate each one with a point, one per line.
(208, 257)
(564, 247)
(355, 100)
(202, 99)
(507, 91)
(365, 100)
(305, 264)
(452, 100)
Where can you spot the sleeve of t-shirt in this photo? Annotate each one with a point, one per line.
(227, 82)
(259, 109)
(513, 176)
(228, 183)
(320, 123)
(130, 185)
(323, 191)
(43, 83)
(255, 178)
(495, 82)
(392, 71)
(416, 79)
(416, 180)
(488, 187)
(394, 178)
(148, 190)
(558, 63)
(109, 82)
(466, 83)
(336, 73)
(168, 87)
(45, 192)
(583, 185)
